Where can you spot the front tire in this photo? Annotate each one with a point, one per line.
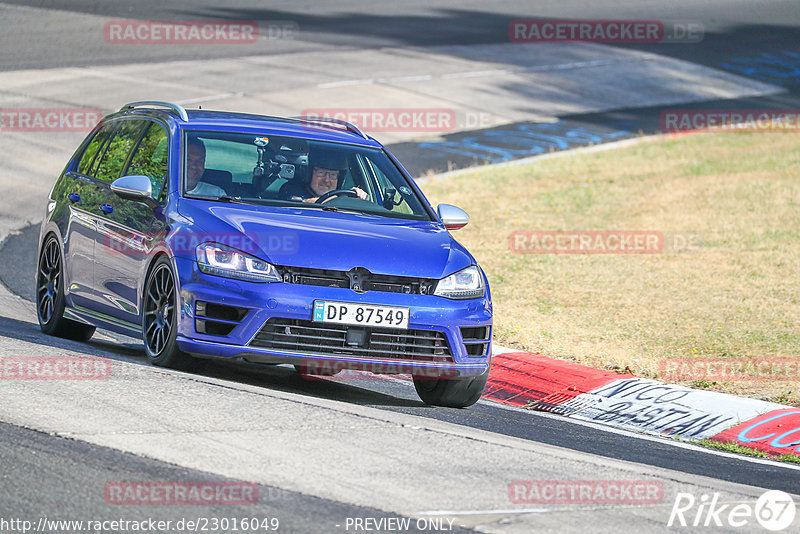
(160, 318)
(451, 392)
(50, 299)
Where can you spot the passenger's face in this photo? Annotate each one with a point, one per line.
(323, 180)
(195, 165)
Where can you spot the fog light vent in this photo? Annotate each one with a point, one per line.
(217, 319)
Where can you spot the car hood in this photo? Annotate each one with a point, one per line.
(319, 239)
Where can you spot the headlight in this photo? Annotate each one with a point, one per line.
(465, 284)
(221, 260)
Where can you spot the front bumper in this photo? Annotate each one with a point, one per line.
(295, 302)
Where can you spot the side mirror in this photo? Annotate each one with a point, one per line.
(452, 217)
(136, 187)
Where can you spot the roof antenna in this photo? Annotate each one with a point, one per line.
(199, 106)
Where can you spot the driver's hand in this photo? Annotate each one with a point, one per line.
(361, 193)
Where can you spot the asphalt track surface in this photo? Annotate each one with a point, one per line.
(43, 469)
(399, 396)
(731, 26)
(756, 39)
(39, 473)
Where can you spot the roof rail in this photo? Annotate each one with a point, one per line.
(177, 109)
(349, 125)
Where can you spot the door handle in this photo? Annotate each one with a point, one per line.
(74, 197)
(107, 208)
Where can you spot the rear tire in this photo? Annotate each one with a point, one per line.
(160, 319)
(50, 299)
(451, 392)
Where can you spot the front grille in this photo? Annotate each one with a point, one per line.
(358, 279)
(309, 337)
(315, 277)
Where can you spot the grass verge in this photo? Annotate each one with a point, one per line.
(730, 446)
(725, 286)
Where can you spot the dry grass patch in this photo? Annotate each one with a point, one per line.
(735, 294)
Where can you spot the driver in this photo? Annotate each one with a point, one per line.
(327, 169)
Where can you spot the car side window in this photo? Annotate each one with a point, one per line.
(233, 157)
(94, 146)
(390, 197)
(383, 181)
(151, 158)
(119, 150)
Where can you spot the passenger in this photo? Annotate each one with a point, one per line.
(196, 171)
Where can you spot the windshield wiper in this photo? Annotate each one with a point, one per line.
(343, 210)
(230, 200)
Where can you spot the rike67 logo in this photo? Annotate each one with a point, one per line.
(774, 511)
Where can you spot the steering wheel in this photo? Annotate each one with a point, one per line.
(336, 192)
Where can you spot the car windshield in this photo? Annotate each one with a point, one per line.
(293, 172)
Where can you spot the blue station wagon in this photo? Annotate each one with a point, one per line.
(298, 241)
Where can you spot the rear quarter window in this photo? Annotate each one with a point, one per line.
(93, 148)
(119, 150)
(151, 158)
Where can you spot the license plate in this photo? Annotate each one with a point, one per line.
(360, 314)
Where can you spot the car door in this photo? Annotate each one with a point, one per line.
(115, 158)
(130, 230)
(79, 193)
